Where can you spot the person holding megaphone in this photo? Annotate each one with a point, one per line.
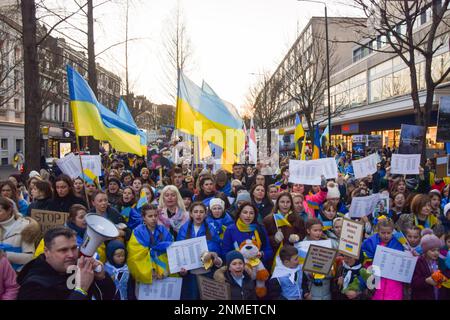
(59, 273)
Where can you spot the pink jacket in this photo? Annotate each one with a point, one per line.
(8, 285)
(318, 198)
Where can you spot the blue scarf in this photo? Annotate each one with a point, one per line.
(122, 284)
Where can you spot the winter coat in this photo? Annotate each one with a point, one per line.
(8, 284)
(420, 290)
(264, 208)
(41, 204)
(39, 281)
(246, 292)
(312, 200)
(297, 227)
(18, 237)
(63, 204)
(232, 239)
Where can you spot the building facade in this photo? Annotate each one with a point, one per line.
(54, 54)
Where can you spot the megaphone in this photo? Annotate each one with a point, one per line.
(98, 230)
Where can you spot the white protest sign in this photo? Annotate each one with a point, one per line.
(365, 166)
(405, 163)
(165, 289)
(330, 169)
(394, 264)
(363, 206)
(70, 165)
(186, 254)
(304, 245)
(351, 238)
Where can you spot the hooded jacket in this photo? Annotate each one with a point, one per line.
(246, 292)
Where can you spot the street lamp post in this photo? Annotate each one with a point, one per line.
(328, 72)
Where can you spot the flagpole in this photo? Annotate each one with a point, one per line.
(82, 170)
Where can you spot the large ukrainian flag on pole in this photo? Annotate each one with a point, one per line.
(91, 118)
(203, 114)
(125, 114)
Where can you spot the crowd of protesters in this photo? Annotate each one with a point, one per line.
(239, 213)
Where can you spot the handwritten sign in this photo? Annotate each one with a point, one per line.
(165, 289)
(351, 238)
(394, 264)
(49, 219)
(186, 254)
(213, 290)
(319, 259)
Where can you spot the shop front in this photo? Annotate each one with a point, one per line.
(57, 142)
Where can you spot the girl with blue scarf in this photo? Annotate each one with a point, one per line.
(218, 217)
(128, 208)
(197, 226)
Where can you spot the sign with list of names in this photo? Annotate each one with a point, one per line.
(164, 289)
(365, 166)
(363, 206)
(186, 254)
(394, 264)
(405, 163)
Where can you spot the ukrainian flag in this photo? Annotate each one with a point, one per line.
(91, 118)
(280, 220)
(89, 177)
(299, 132)
(142, 200)
(124, 113)
(317, 152)
(204, 109)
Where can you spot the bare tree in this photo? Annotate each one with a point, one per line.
(305, 83)
(393, 26)
(178, 54)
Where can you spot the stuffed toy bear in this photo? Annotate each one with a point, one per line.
(258, 272)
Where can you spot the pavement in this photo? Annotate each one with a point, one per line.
(6, 171)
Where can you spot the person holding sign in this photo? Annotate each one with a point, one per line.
(197, 226)
(424, 285)
(235, 273)
(246, 227)
(147, 256)
(282, 225)
(17, 234)
(389, 289)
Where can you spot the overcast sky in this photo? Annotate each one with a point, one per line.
(230, 38)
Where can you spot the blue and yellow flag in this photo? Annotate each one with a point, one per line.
(317, 151)
(124, 113)
(299, 132)
(91, 118)
(203, 114)
(89, 177)
(280, 220)
(142, 200)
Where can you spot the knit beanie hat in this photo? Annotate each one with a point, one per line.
(111, 248)
(333, 191)
(243, 196)
(430, 241)
(217, 201)
(233, 255)
(446, 209)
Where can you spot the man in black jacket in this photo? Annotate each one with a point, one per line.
(58, 274)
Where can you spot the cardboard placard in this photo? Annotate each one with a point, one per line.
(441, 167)
(351, 238)
(49, 219)
(213, 290)
(319, 259)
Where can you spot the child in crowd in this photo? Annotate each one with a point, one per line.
(423, 284)
(413, 235)
(389, 289)
(287, 277)
(435, 202)
(350, 281)
(236, 274)
(335, 233)
(316, 286)
(445, 218)
(147, 257)
(218, 217)
(117, 268)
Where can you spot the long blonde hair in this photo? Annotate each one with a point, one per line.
(180, 203)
